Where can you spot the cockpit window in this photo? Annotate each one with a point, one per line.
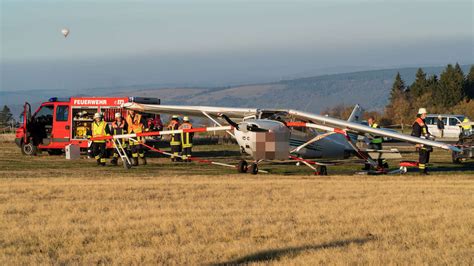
(278, 116)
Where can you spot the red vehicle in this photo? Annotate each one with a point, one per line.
(59, 122)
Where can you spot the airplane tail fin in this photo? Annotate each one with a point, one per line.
(356, 115)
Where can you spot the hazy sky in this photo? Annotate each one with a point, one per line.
(217, 42)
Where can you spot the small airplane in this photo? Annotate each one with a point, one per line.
(282, 135)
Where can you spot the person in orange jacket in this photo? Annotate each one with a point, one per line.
(175, 139)
(186, 139)
(135, 124)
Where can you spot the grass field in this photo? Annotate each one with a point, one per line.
(72, 212)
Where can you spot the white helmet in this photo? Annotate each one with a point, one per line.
(422, 111)
(97, 115)
(186, 119)
(118, 114)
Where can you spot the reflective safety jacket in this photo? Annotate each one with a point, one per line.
(135, 123)
(420, 129)
(376, 139)
(175, 138)
(100, 129)
(186, 137)
(466, 127)
(119, 128)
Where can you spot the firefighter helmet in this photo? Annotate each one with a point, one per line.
(422, 111)
(97, 115)
(118, 114)
(186, 119)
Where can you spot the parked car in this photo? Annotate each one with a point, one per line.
(451, 127)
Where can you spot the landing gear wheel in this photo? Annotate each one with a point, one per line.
(242, 167)
(322, 170)
(29, 149)
(253, 169)
(126, 165)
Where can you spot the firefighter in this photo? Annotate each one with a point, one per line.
(175, 140)
(420, 130)
(466, 129)
(99, 129)
(119, 127)
(135, 125)
(186, 139)
(376, 144)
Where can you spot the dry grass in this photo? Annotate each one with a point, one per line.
(7, 138)
(165, 217)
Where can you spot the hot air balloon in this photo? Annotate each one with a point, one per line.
(65, 32)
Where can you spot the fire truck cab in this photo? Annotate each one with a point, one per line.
(59, 122)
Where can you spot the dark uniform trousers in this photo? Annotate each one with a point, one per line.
(123, 142)
(99, 151)
(187, 144)
(136, 147)
(175, 144)
(421, 130)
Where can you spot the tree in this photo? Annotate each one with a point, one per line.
(398, 87)
(420, 85)
(450, 90)
(5, 116)
(469, 85)
(399, 107)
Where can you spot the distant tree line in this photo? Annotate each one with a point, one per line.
(451, 93)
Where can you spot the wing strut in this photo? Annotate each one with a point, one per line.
(217, 123)
(334, 130)
(318, 137)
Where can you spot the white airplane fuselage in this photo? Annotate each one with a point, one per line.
(331, 147)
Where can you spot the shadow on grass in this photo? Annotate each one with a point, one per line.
(275, 254)
(465, 166)
(201, 154)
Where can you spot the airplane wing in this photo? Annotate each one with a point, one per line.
(191, 110)
(240, 113)
(362, 129)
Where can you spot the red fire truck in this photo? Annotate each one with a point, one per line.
(59, 122)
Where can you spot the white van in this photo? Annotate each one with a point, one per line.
(451, 127)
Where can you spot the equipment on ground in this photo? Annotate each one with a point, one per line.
(72, 151)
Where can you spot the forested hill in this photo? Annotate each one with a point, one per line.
(371, 89)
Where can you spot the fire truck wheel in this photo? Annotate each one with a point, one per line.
(29, 149)
(242, 167)
(126, 164)
(253, 169)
